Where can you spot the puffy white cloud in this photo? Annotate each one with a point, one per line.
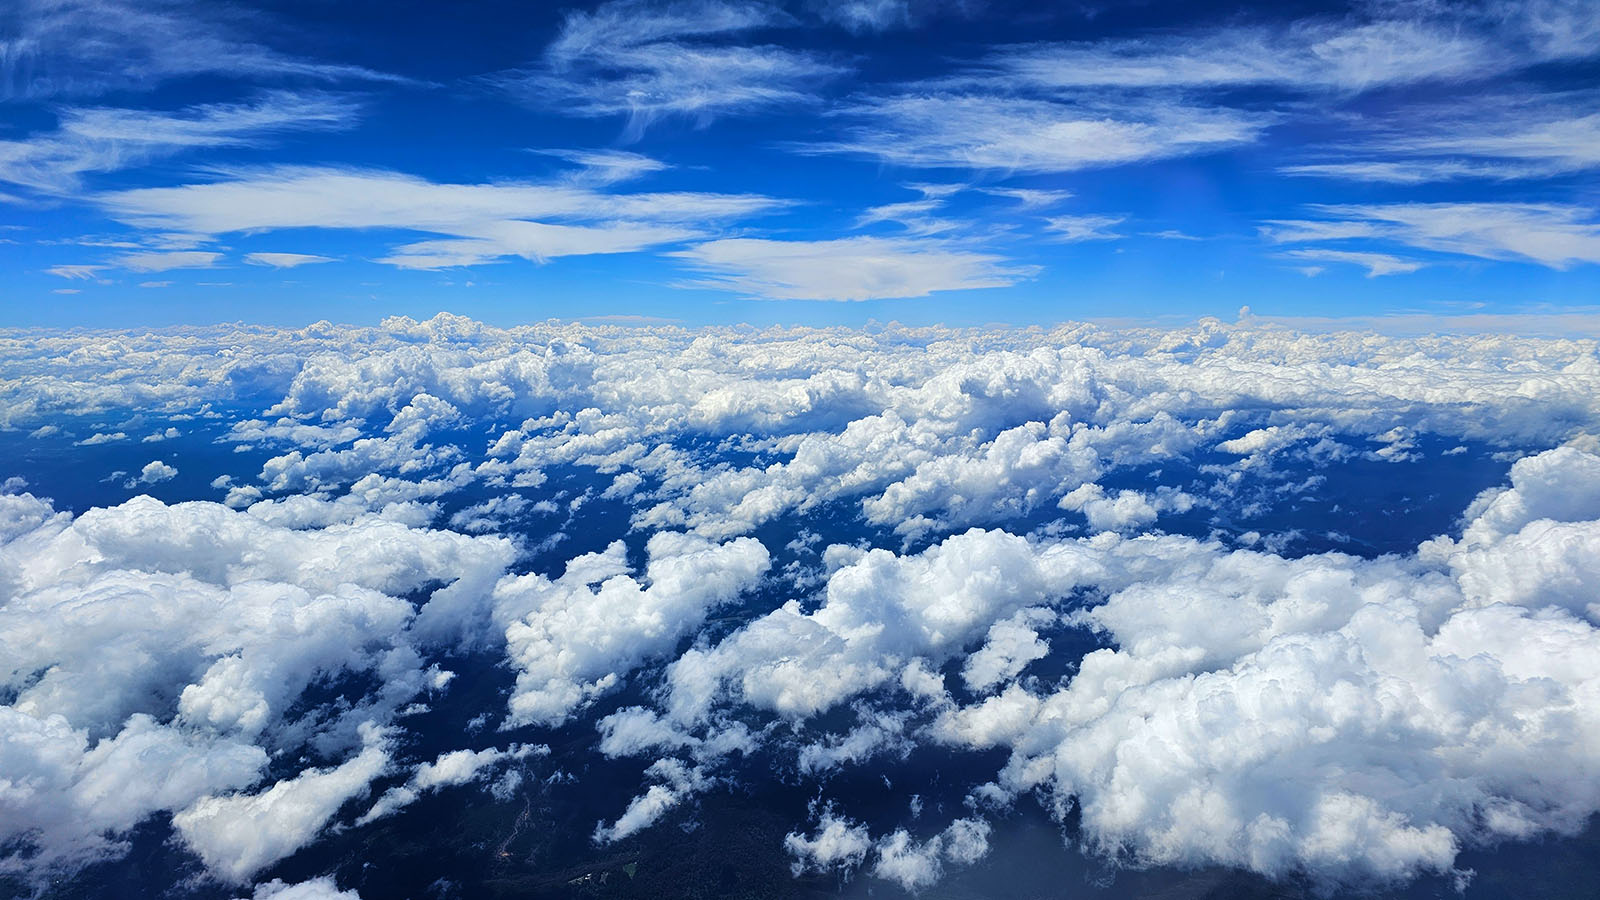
(157, 471)
(575, 637)
(323, 888)
(238, 835)
(837, 843)
(1324, 716)
(915, 865)
(154, 655)
(840, 843)
(676, 782)
(451, 769)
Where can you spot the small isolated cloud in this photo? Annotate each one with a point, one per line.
(284, 260)
(857, 268)
(1084, 228)
(159, 261)
(66, 291)
(156, 472)
(76, 273)
(1375, 263)
(103, 437)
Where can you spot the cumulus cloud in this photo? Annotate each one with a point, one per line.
(1321, 715)
(839, 843)
(238, 835)
(577, 636)
(451, 769)
(154, 655)
(156, 471)
(323, 888)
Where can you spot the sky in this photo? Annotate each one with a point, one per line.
(1419, 165)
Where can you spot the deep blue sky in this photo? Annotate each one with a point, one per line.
(168, 163)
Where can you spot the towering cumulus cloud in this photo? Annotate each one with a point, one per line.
(1224, 597)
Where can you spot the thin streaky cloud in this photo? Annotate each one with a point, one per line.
(102, 139)
(1376, 264)
(66, 48)
(973, 131)
(858, 268)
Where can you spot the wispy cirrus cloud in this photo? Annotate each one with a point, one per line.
(1553, 235)
(55, 48)
(647, 61)
(856, 268)
(164, 261)
(101, 139)
(1083, 228)
(285, 260)
(1376, 264)
(975, 131)
(1394, 45)
(1499, 138)
(1305, 56)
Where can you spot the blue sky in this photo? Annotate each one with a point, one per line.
(716, 162)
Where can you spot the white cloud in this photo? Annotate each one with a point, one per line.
(240, 834)
(1318, 716)
(86, 47)
(157, 471)
(1376, 264)
(647, 60)
(575, 637)
(481, 222)
(1494, 137)
(76, 273)
(675, 782)
(451, 769)
(165, 261)
(90, 140)
(1084, 228)
(838, 843)
(323, 888)
(1008, 134)
(285, 260)
(858, 268)
(153, 652)
(1310, 55)
(1552, 235)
